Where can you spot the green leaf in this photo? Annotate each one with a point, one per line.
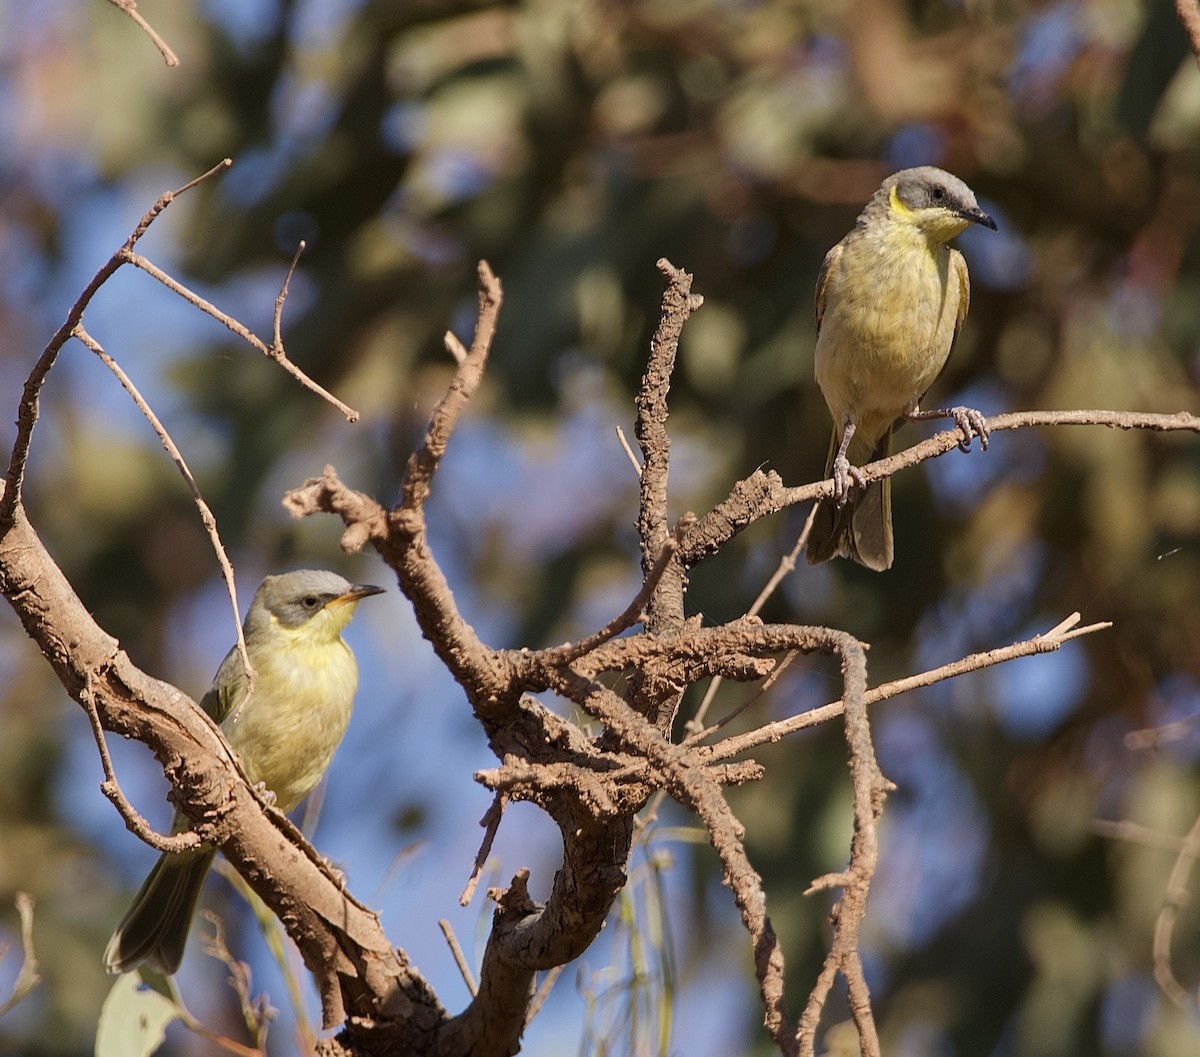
(133, 1019)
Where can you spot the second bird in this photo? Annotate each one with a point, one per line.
(891, 299)
(285, 735)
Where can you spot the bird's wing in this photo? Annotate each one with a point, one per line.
(832, 258)
(958, 268)
(227, 687)
(959, 264)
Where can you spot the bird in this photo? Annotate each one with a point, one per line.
(285, 735)
(891, 300)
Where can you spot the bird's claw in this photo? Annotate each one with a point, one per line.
(844, 476)
(973, 424)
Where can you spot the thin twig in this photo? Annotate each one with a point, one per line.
(424, 462)
(1175, 898)
(457, 350)
(870, 790)
(772, 732)
(207, 518)
(543, 992)
(134, 822)
(1134, 833)
(27, 410)
(28, 976)
(729, 717)
(572, 651)
(491, 822)
(277, 322)
(272, 352)
(459, 958)
(787, 565)
(194, 1024)
(130, 8)
(633, 459)
(1152, 737)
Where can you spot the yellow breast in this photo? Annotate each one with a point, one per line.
(891, 308)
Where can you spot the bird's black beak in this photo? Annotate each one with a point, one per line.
(355, 594)
(978, 216)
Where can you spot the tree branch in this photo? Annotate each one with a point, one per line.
(27, 411)
(764, 493)
(344, 948)
(130, 8)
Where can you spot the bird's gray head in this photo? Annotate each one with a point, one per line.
(295, 598)
(933, 199)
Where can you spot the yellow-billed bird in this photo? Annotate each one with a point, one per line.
(891, 299)
(286, 736)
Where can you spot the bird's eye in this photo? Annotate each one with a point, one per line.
(310, 601)
(937, 194)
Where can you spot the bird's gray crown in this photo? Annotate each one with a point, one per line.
(292, 598)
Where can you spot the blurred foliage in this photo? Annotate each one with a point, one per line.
(572, 144)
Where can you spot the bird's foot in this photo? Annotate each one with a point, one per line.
(844, 477)
(968, 419)
(268, 795)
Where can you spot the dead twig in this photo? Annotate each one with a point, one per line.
(27, 410)
(772, 732)
(28, 976)
(787, 566)
(460, 959)
(764, 493)
(130, 8)
(134, 821)
(273, 351)
(632, 614)
(207, 518)
(491, 823)
(423, 463)
(1175, 899)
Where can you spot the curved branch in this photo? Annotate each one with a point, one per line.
(27, 411)
(355, 967)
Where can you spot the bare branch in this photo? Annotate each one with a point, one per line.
(134, 821)
(633, 459)
(870, 790)
(764, 493)
(459, 958)
(569, 652)
(787, 566)
(773, 732)
(650, 429)
(277, 321)
(491, 823)
(130, 8)
(423, 463)
(28, 976)
(27, 411)
(1175, 899)
(543, 992)
(272, 352)
(207, 518)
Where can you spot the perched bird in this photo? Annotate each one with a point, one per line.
(891, 299)
(286, 736)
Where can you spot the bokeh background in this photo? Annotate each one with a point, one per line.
(572, 143)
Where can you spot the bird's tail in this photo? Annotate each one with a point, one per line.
(862, 529)
(155, 928)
